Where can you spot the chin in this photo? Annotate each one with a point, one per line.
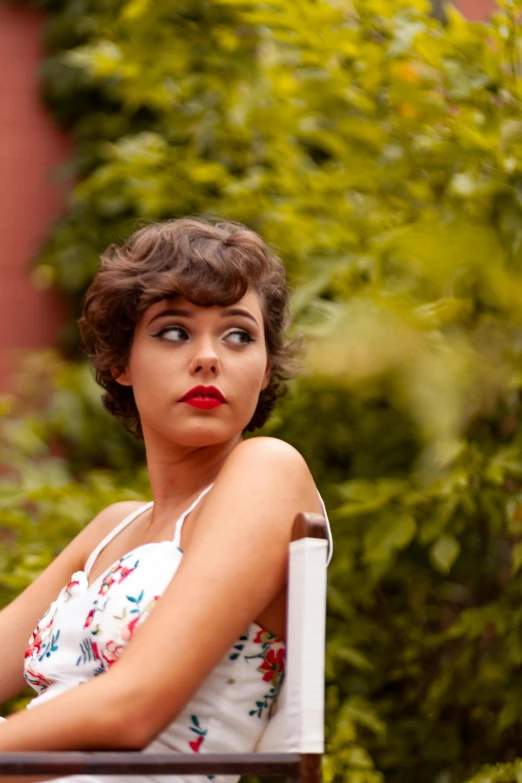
(201, 435)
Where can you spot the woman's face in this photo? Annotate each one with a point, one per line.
(178, 346)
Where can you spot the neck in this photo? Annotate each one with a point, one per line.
(178, 473)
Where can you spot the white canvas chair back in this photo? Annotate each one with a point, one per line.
(297, 723)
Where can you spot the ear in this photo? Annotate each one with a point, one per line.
(266, 377)
(121, 377)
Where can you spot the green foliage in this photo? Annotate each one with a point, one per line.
(381, 153)
(500, 773)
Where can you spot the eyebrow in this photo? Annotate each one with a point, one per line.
(189, 314)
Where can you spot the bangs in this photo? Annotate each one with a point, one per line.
(205, 280)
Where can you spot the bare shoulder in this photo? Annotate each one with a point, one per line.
(268, 468)
(97, 529)
(112, 515)
(265, 450)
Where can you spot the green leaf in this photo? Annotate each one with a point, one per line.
(516, 557)
(444, 552)
(387, 534)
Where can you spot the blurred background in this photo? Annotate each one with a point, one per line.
(377, 144)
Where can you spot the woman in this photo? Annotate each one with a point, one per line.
(184, 324)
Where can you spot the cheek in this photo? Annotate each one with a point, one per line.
(150, 378)
(251, 375)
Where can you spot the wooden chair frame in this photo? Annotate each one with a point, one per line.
(301, 725)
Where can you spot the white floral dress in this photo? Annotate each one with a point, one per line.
(85, 629)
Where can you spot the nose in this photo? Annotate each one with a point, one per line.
(205, 360)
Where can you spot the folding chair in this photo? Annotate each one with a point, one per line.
(293, 740)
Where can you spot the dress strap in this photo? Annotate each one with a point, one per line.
(328, 532)
(119, 527)
(181, 520)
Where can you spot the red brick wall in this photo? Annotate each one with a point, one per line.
(30, 149)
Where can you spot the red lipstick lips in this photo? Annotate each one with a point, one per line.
(203, 397)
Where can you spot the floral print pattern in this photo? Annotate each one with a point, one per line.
(44, 639)
(38, 681)
(238, 647)
(116, 574)
(272, 669)
(89, 653)
(273, 666)
(38, 639)
(108, 653)
(195, 745)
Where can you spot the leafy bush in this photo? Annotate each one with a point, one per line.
(380, 151)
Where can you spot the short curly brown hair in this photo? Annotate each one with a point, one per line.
(207, 263)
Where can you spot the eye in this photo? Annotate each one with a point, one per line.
(174, 334)
(242, 337)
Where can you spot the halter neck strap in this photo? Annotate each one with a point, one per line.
(181, 520)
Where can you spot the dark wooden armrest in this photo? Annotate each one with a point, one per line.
(137, 763)
(308, 525)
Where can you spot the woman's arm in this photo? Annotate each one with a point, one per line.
(19, 618)
(235, 566)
